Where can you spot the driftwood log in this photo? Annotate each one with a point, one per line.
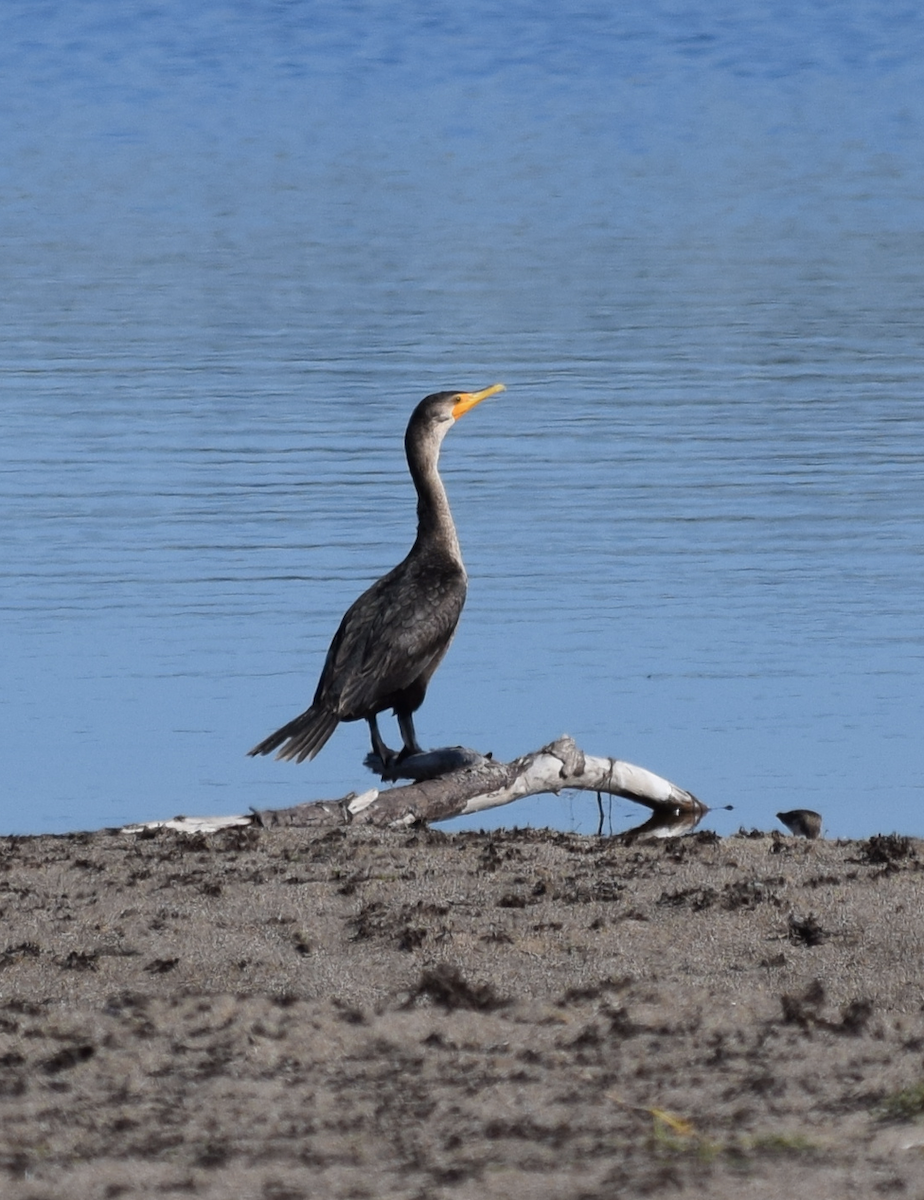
(480, 783)
(454, 782)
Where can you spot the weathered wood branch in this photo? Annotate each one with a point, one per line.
(485, 784)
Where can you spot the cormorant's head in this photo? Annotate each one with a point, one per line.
(439, 411)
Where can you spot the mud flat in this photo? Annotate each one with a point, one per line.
(269, 1014)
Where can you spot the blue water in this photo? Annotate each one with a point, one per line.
(238, 243)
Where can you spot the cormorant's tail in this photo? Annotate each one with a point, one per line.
(303, 737)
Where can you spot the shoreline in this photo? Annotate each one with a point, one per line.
(269, 1013)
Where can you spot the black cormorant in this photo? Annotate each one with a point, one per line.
(395, 635)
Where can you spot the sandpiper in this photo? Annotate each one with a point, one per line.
(802, 822)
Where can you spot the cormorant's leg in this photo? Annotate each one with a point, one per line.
(378, 746)
(411, 745)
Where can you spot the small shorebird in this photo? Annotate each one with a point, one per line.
(802, 822)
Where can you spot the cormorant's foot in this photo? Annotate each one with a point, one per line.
(387, 768)
(387, 763)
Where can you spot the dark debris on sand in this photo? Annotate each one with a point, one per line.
(263, 1014)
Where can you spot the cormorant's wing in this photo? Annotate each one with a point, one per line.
(393, 635)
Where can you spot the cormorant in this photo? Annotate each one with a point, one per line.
(394, 636)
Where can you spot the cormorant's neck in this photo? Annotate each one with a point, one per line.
(435, 526)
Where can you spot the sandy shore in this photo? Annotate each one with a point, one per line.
(259, 1013)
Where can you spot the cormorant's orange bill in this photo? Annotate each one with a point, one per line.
(468, 400)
